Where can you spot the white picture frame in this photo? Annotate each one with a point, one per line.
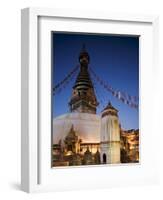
(36, 173)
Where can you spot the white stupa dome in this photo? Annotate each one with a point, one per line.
(86, 126)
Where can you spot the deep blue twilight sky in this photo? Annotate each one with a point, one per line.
(114, 58)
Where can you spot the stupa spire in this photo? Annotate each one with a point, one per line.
(83, 96)
(83, 47)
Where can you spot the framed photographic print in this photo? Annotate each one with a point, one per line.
(87, 109)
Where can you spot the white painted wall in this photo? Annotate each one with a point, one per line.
(10, 97)
(110, 130)
(110, 138)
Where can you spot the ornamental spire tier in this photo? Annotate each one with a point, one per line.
(83, 96)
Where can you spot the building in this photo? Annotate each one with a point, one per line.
(110, 135)
(83, 137)
(129, 146)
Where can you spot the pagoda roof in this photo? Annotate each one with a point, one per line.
(109, 106)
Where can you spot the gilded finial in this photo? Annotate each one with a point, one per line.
(83, 48)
